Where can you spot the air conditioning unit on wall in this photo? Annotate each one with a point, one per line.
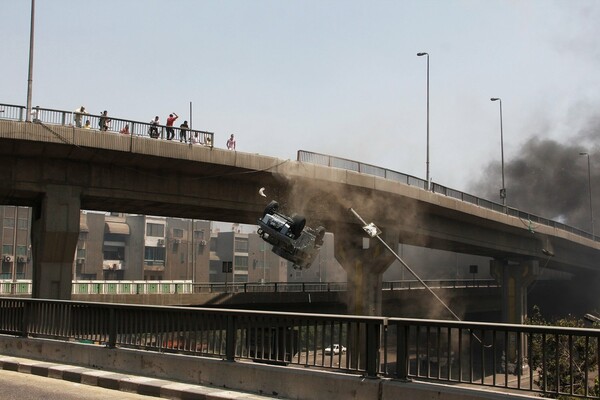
(22, 259)
(7, 258)
(160, 242)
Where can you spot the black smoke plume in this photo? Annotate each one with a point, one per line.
(549, 179)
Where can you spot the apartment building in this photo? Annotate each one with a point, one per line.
(15, 242)
(114, 246)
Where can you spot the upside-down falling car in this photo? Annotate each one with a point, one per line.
(290, 238)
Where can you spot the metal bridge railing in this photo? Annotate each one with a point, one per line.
(331, 161)
(126, 287)
(67, 118)
(440, 284)
(551, 361)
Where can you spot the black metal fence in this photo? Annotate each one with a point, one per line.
(552, 361)
(115, 125)
(312, 287)
(23, 286)
(531, 219)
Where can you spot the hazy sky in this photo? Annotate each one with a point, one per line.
(335, 77)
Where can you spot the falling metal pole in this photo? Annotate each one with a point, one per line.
(375, 233)
(30, 75)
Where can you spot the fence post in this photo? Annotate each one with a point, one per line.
(25, 318)
(401, 356)
(230, 338)
(112, 328)
(373, 332)
(131, 136)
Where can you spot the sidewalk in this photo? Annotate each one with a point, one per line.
(127, 383)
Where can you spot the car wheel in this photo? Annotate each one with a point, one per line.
(298, 223)
(272, 207)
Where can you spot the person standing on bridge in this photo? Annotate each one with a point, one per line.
(231, 142)
(104, 121)
(170, 130)
(183, 128)
(78, 114)
(153, 131)
(35, 114)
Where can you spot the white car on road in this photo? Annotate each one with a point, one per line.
(336, 349)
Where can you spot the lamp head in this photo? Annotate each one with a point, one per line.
(422, 54)
(495, 99)
(583, 154)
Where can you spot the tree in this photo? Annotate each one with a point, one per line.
(569, 354)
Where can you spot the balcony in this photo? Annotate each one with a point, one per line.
(113, 265)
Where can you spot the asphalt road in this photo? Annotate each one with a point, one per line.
(22, 386)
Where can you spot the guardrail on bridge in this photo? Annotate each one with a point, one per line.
(67, 118)
(343, 163)
(94, 287)
(552, 361)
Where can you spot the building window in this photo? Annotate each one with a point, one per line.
(23, 223)
(241, 245)
(9, 222)
(241, 263)
(7, 249)
(154, 255)
(198, 235)
(155, 230)
(177, 233)
(113, 253)
(21, 250)
(80, 253)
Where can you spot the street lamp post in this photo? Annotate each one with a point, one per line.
(590, 189)
(503, 189)
(30, 73)
(427, 162)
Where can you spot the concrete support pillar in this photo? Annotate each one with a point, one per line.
(55, 231)
(365, 260)
(514, 277)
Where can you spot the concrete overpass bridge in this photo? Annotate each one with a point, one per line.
(59, 169)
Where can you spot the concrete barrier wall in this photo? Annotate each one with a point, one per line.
(285, 382)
